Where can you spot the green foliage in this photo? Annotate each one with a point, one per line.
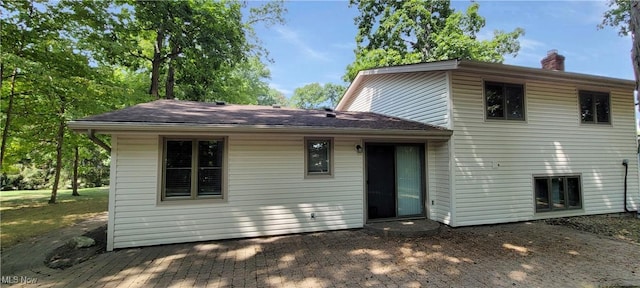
(625, 15)
(29, 177)
(315, 95)
(618, 16)
(273, 97)
(414, 31)
(67, 59)
(201, 50)
(241, 84)
(49, 78)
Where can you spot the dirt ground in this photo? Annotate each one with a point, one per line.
(623, 226)
(66, 255)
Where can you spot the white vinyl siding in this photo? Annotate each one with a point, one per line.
(439, 192)
(267, 193)
(421, 97)
(495, 160)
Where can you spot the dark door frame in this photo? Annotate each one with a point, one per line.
(423, 188)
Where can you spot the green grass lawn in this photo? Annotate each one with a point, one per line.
(24, 214)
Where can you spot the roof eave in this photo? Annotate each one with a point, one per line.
(543, 74)
(484, 67)
(350, 92)
(155, 128)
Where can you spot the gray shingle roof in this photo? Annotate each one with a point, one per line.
(194, 113)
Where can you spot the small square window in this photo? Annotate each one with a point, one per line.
(595, 107)
(557, 193)
(319, 157)
(504, 101)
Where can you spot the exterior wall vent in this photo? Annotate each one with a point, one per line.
(331, 115)
(220, 103)
(275, 106)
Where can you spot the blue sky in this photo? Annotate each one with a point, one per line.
(316, 44)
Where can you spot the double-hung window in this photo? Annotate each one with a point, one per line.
(554, 193)
(594, 107)
(504, 101)
(193, 168)
(318, 157)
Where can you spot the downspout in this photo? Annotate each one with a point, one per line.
(92, 137)
(625, 163)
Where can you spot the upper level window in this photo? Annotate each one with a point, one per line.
(319, 157)
(192, 168)
(595, 107)
(504, 101)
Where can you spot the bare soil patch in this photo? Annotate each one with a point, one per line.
(66, 255)
(623, 226)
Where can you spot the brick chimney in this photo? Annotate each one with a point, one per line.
(553, 61)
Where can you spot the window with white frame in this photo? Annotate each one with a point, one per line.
(318, 157)
(193, 168)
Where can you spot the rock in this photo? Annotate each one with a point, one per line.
(81, 242)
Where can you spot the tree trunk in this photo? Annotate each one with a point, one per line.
(634, 26)
(74, 185)
(59, 140)
(7, 121)
(156, 62)
(1, 74)
(170, 83)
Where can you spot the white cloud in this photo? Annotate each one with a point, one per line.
(596, 10)
(286, 92)
(531, 52)
(584, 12)
(294, 38)
(530, 44)
(334, 77)
(345, 46)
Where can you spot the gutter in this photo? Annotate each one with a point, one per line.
(542, 74)
(487, 68)
(92, 137)
(155, 128)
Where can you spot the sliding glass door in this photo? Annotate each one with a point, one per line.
(409, 180)
(395, 180)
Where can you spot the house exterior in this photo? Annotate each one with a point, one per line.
(187, 171)
(459, 142)
(527, 143)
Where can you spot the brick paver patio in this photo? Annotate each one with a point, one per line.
(522, 254)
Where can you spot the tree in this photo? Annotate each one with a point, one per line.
(273, 97)
(205, 32)
(241, 83)
(25, 26)
(315, 95)
(53, 80)
(199, 48)
(406, 32)
(625, 15)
